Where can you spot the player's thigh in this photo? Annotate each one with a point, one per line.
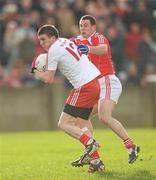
(105, 108)
(66, 118)
(110, 88)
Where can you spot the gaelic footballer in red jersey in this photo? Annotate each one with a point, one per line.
(104, 61)
(97, 47)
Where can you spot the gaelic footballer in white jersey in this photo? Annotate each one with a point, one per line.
(76, 67)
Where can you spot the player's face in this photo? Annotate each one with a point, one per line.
(45, 41)
(86, 29)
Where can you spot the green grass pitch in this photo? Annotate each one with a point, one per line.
(47, 156)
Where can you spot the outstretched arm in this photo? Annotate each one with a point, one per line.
(99, 50)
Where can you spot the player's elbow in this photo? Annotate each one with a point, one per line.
(50, 81)
(104, 49)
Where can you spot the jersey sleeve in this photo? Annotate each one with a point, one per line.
(100, 39)
(52, 60)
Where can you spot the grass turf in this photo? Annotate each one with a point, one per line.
(47, 156)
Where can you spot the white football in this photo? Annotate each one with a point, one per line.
(40, 62)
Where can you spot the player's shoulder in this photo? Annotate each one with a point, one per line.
(98, 35)
(61, 41)
(57, 47)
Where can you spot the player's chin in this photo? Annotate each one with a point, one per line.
(43, 47)
(84, 34)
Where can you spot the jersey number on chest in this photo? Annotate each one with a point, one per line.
(72, 49)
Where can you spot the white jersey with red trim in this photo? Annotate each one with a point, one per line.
(76, 67)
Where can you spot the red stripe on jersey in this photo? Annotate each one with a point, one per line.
(73, 53)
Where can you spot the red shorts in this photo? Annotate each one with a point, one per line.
(86, 96)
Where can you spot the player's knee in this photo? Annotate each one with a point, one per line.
(63, 123)
(105, 119)
(60, 125)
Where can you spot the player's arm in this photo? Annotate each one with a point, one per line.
(46, 76)
(98, 50)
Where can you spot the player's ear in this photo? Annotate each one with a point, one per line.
(94, 27)
(53, 39)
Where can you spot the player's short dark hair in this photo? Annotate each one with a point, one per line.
(90, 18)
(49, 30)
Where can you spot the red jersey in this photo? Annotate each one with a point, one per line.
(102, 62)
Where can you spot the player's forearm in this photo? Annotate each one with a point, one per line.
(44, 76)
(99, 50)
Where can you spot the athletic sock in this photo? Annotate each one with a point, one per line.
(129, 144)
(95, 155)
(95, 161)
(85, 139)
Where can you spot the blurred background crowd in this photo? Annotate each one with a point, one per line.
(129, 25)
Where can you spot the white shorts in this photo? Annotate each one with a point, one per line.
(110, 87)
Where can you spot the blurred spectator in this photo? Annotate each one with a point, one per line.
(145, 17)
(132, 39)
(122, 21)
(49, 14)
(35, 19)
(130, 16)
(147, 49)
(116, 39)
(66, 19)
(101, 26)
(10, 39)
(79, 9)
(26, 7)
